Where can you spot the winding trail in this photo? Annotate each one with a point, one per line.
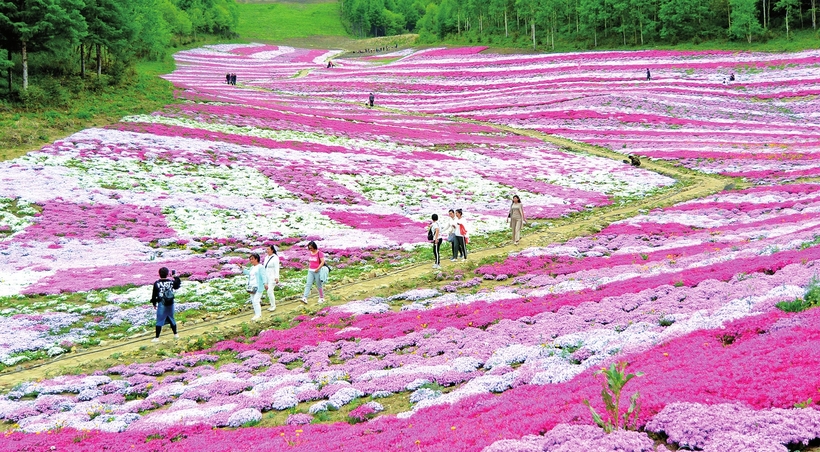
(690, 185)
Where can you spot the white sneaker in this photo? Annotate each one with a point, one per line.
(156, 339)
(436, 266)
(303, 300)
(453, 260)
(272, 308)
(176, 337)
(256, 318)
(321, 301)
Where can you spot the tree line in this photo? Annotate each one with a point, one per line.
(67, 36)
(586, 22)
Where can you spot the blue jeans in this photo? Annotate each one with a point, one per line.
(313, 276)
(165, 314)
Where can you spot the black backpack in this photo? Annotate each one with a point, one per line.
(430, 234)
(166, 292)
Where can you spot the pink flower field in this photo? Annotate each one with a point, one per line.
(710, 302)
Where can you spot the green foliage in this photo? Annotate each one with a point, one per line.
(804, 404)
(615, 378)
(809, 300)
(745, 24)
(279, 21)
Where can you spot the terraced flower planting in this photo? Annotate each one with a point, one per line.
(705, 304)
(197, 186)
(761, 126)
(686, 294)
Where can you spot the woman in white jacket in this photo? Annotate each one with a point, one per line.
(272, 272)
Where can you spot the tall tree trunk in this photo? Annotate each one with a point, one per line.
(506, 32)
(8, 52)
(99, 60)
(814, 14)
(532, 26)
(82, 60)
(641, 24)
(24, 54)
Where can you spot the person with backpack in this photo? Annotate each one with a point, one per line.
(272, 272)
(257, 280)
(162, 297)
(434, 235)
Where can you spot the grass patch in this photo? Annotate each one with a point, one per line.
(272, 22)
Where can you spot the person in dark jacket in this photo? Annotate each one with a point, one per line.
(162, 298)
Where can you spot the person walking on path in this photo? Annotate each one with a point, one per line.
(461, 235)
(272, 273)
(316, 260)
(371, 99)
(228, 78)
(450, 229)
(256, 285)
(516, 218)
(648, 75)
(162, 297)
(434, 235)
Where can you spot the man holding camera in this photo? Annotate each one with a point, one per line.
(162, 298)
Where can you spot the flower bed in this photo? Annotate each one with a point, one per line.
(685, 294)
(761, 126)
(538, 339)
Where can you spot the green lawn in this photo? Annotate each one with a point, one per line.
(271, 22)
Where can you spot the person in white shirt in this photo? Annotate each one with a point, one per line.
(435, 230)
(272, 272)
(461, 235)
(450, 230)
(256, 284)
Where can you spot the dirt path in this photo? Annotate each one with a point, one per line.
(690, 185)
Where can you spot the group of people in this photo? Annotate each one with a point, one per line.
(230, 79)
(726, 80)
(378, 49)
(263, 277)
(455, 230)
(263, 274)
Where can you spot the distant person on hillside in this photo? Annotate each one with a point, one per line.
(434, 235)
(461, 235)
(233, 79)
(634, 161)
(371, 99)
(272, 272)
(228, 78)
(732, 77)
(516, 218)
(450, 230)
(257, 280)
(316, 260)
(162, 298)
(648, 75)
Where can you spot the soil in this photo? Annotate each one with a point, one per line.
(691, 185)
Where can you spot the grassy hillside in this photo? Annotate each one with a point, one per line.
(275, 21)
(22, 130)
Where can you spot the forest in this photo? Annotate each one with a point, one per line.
(58, 38)
(587, 23)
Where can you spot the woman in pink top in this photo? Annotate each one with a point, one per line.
(316, 260)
